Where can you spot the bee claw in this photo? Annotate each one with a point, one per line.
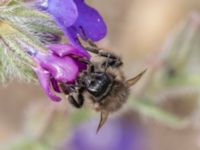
(103, 119)
(132, 81)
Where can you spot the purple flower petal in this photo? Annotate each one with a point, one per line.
(119, 134)
(62, 69)
(65, 50)
(58, 66)
(44, 78)
(65, 11)
(81, 66)
(55, 86)
(89, 21)
(77, 18)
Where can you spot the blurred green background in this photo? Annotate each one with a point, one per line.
(160, 35)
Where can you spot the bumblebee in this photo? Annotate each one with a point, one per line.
(103, 84)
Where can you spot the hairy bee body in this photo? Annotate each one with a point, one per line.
(115, 96)
(102, 84)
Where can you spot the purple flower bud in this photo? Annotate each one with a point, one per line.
(58, 66)
(77, 18)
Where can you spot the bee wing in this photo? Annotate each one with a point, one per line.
(103, 119)
(134, 80)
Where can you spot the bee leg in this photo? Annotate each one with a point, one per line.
(112, 62)
(89, 41)
(90, 65)
(78, 103)
(79, 100)
(71, 91)
(111, 59)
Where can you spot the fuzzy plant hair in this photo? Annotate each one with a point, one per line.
(22, 26)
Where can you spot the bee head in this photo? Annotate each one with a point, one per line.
(99, 84)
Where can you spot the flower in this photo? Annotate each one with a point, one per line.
(57, 66)
(75, 18)
(117, 134)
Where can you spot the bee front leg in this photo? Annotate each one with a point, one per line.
(112, 62)
(76, 102)
(75, 96)
(111, 59)
(90, 65)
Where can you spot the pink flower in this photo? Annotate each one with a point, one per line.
(58, 66)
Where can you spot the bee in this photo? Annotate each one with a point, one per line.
(103, 84)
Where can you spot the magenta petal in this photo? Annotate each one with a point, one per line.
(55, 86)
(65, 50)
(64, 69)
(81, 66)
(64, 11)
(44, 78)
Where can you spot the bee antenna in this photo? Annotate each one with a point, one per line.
(103, 119)
(134, 80)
